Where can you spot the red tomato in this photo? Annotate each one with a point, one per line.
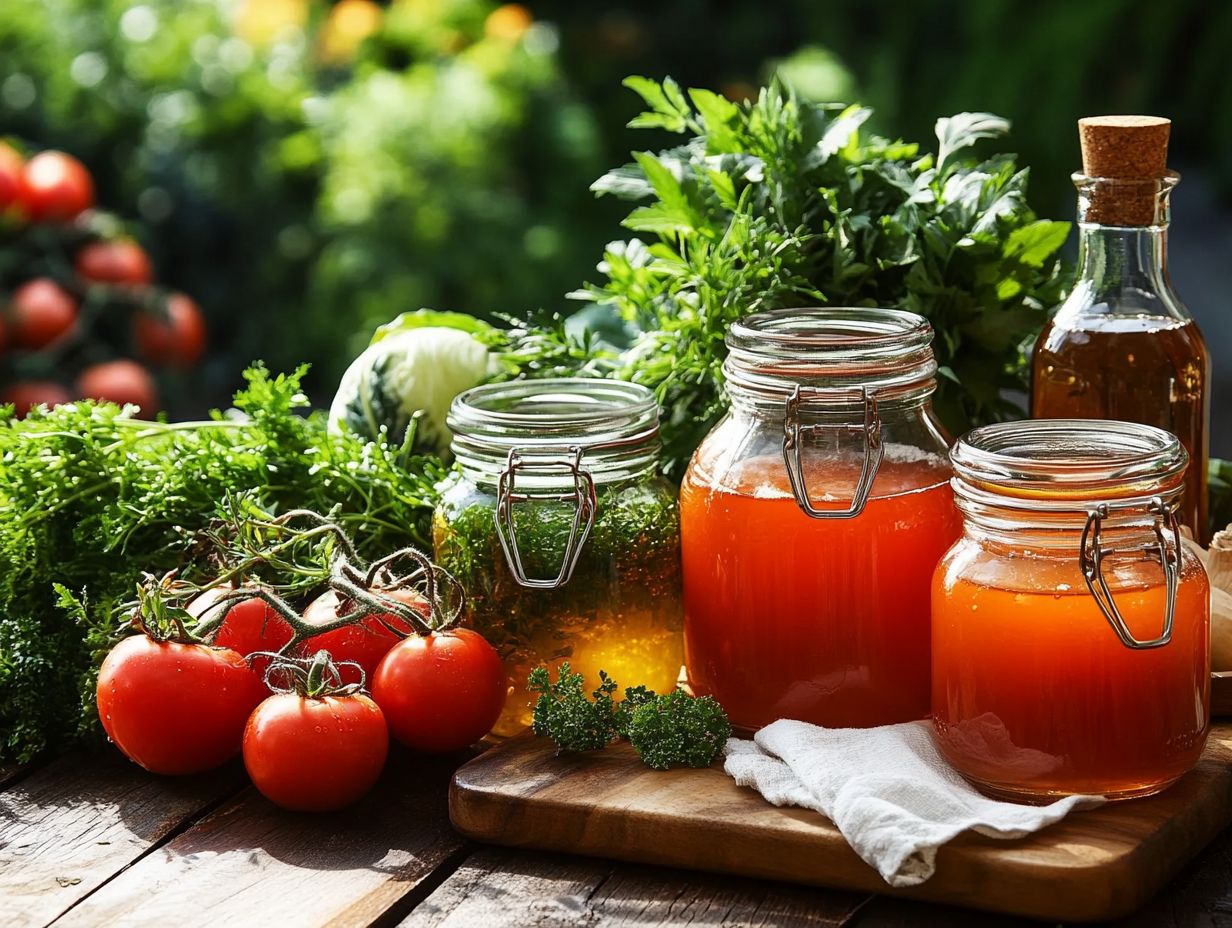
(250, 625)
(315, 754)
(12, 185)
(40, 312)
(178, 339)
(120, 382)
(57, 187)
(121, 261)
(30, 393)
(441, 692)
(366, 642)
(176, 708)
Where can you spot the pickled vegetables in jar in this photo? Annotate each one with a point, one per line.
(563, 534)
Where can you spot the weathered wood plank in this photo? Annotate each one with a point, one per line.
(67, 828)
(251, 863)
(497, 887)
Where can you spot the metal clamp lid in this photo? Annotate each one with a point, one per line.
(794, 430)
(535, 462)
(1092, 557)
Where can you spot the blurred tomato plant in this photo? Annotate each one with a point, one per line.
(308, 170)
(78, 298)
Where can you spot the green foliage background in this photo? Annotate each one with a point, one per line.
(304, 197)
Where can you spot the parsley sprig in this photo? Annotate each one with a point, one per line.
(671, 730)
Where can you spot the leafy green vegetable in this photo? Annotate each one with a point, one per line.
(411, 374)
(563, 713)
(780, 203)
(89, 499)
(678, 730)
(672, 730)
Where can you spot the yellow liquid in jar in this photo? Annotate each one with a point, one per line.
(632, 647)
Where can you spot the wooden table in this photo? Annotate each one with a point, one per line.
(89, 839)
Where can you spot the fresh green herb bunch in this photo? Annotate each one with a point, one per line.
(778, 203)
(672, 730)
(563, 713)
(91, 499)
(678, 730)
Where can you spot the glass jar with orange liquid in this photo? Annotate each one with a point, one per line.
(812, 517)
(565, 538)
(1071, 628)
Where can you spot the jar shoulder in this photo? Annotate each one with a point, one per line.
(1057, 571)
(744, 454)
(633, 505)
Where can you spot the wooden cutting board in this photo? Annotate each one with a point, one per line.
(1093, 865)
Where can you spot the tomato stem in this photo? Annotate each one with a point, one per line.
(365, 591)
(310, 677)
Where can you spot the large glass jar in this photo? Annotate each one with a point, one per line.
(1070, 625)
(812, 517)
(563, 535)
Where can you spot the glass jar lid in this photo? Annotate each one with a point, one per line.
(1068, 464)
(887, 352)
(615, 424)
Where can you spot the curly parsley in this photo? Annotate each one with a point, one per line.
(671, 730)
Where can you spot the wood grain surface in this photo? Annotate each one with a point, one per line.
(67, 828)
(344, 868)
(1100, 864)
(500, 888)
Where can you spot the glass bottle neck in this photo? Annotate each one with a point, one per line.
(1126, 268)
(1123, 249)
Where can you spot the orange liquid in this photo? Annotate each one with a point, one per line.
(820, 620)
(1138, 369)
(1034, 695)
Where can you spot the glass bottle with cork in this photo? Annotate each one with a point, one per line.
(1122, 345)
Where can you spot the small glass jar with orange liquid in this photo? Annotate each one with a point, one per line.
(1071, 628)
(564, 536)
(812, 517)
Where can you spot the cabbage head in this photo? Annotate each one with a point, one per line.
(413, 369)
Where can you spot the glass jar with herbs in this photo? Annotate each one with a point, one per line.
(563, 534)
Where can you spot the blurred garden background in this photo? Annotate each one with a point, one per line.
(307, 170)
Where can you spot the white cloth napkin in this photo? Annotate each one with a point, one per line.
(887, 789)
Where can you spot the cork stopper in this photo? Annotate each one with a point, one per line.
(1132, 149)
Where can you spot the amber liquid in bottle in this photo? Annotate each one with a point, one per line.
(1123, 346)
(1139, 369)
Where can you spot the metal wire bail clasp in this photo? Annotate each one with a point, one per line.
(1094, 552)
(535, 463)
(870, 432)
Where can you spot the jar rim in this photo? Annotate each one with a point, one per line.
(1062, 461)
(560, 405)
(616, 423)
(887, 351)
(829, 332)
